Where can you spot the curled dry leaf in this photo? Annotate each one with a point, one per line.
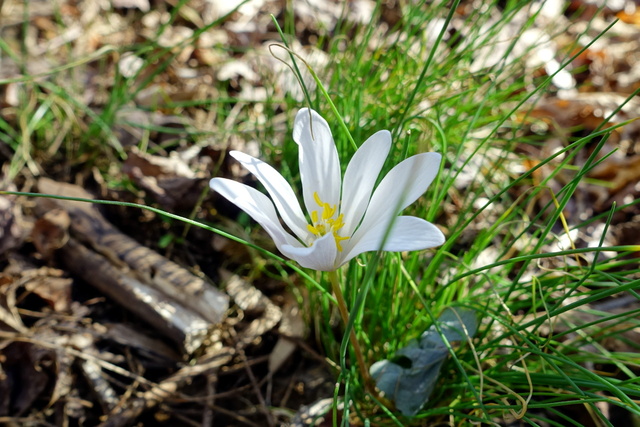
(49, 285)
(51, 232)
(169, 180)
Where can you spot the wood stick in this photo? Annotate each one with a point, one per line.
(88, 225)
(170, 318)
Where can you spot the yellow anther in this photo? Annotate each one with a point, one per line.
(320, 227)
(338, 240)
(327, 211)
(338, 222)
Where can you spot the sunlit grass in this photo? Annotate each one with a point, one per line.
(501, 271)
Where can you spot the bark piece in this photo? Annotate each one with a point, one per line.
(89, 225)
(105, 394)
(248, 298)
(93, 374)
(170, 318)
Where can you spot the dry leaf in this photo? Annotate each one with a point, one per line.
(51, 232)
(291, 325)
(48, 284)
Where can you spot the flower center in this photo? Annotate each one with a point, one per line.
(324, 222)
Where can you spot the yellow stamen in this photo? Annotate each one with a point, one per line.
(338, 240)
(327, 211)
(325, 223)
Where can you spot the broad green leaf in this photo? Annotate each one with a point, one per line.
(410, 377)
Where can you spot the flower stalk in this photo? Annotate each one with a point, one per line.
(344, 313)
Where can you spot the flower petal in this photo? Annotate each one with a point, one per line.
(360, 177)
(321, 256)
(280, 191)
(407, 181)
(408, 233)
(258, 206)
(319, 163)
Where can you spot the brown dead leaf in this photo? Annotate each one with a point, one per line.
(618, 172)
(291, 326)
(628, 233)
(51, 232)
(630, 17)
(569, 113)
(169, 180)
(49, 285)
(151, 165)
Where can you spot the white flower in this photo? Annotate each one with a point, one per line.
(346, 217)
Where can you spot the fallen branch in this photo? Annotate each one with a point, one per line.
(89, 226)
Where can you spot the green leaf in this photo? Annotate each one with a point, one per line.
(410, 377)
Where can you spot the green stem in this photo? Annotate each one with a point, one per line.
(344, 313)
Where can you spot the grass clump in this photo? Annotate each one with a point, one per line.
(510, 254)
